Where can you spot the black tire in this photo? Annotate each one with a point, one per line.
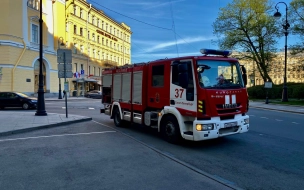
(116, 117)
(25, 106)
(170, 130)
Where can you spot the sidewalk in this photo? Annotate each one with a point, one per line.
(279, 107)
(18, 121)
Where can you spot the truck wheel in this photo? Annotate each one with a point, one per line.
(170, 130)
(117, 120)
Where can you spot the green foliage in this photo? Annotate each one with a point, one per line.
(295, 90)
(298, 92)
(246, 26)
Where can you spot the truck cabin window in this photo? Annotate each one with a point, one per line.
(219, 74)
(158, 75)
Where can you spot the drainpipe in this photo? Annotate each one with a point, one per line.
(87, 47)
(16, 64)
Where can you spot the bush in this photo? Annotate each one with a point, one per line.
(295, 90)
(298, 92)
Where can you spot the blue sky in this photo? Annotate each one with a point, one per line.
(153, 22)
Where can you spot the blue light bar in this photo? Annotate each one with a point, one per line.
(216, 52)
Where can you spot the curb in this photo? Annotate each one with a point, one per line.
(43, 127)
(276, 109)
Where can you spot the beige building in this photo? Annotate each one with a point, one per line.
(95, 39)
(295, 70)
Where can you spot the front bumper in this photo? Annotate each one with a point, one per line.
(219, 127)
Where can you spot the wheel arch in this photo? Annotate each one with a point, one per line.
(171, 111)
(114, 106)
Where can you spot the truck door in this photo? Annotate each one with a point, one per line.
(183, 90)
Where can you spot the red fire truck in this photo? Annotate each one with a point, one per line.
(195, 98)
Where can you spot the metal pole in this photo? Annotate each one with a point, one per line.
(65, 96)
(285, 27)
(59, 95)
(40, 104)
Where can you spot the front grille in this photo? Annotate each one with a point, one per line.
(229, 130)
(221, 110)
(227, 117)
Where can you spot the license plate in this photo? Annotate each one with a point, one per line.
(231, 124)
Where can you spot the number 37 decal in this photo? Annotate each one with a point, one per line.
(179, 93)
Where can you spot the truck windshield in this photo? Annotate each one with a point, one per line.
(219, 74)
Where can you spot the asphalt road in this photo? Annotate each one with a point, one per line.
(269, 156)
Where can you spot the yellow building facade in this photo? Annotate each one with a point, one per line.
(294, 70)
(96, 41)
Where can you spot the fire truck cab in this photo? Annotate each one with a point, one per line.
(195, 98)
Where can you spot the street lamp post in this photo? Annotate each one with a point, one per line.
(60, 44)
(285, 27)
(40, 104)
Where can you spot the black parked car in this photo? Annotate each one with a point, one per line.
(17, 99)
(93, 94)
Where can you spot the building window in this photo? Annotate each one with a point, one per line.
(89, 70)
(88, 17)
(107, 44)
(81, 66)
(102, 41)
(89, 52)
(66, 27)
(94, 71)
(35, 33)
(81, 49)
(75, 29)
(75, 9)
(98, 39)
(93, 37)
(98, 23)
(75, 48)
(110, 29)
(99, 73)
(75, 67)
(101, 24)
(88, 34)
(103, 56)
(107, 27)
(114, 32)
(34, 4)
(81, 32)
(93, 53)
(81, 13)
(93, 20)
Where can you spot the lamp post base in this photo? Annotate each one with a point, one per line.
(284, 94)
(59, 95)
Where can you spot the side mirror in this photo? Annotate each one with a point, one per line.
(182, 68)
(183, 75)
(244, 79)
(183, 80)
(244, 75)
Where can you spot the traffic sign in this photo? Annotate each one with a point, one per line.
(68, 67)
(68, 74)
(64, 55)
(82, 72)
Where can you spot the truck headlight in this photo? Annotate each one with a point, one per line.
(246, 121)
(204, 127)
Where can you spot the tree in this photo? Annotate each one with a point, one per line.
(296, 13)
(249, 26)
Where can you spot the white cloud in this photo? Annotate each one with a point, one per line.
(156, 46)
